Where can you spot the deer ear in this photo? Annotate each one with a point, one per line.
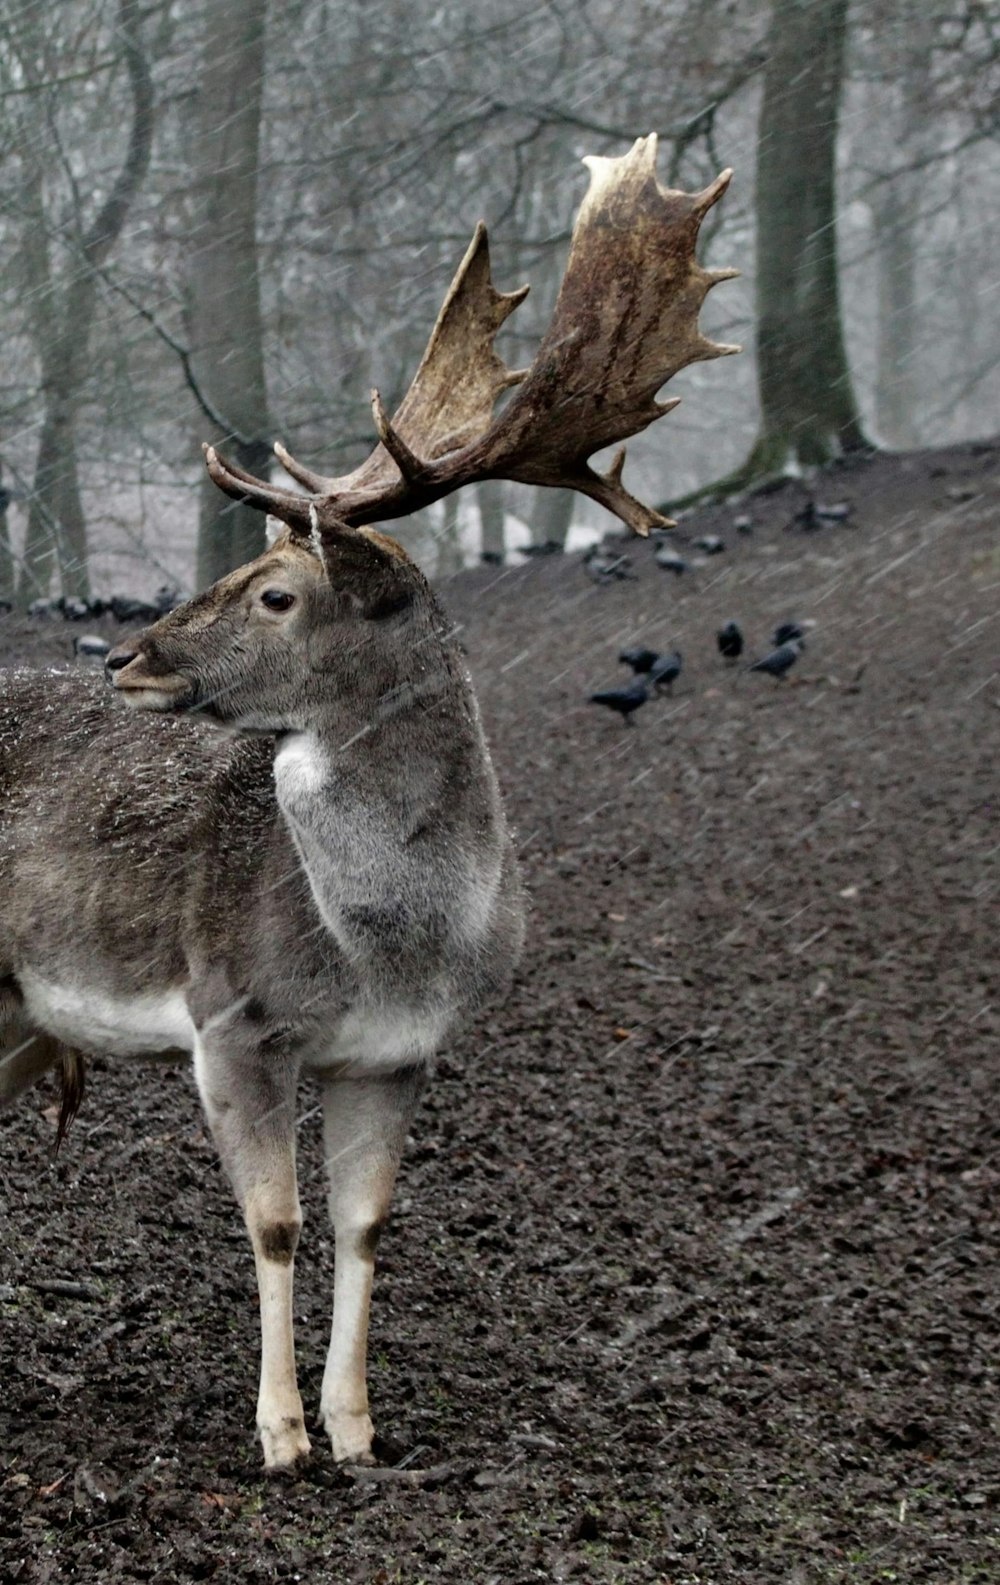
(360, 565)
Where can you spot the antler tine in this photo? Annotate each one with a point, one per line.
(448, 405)
(316, 483)
(409, 465)
(242, 486)
(626, 320)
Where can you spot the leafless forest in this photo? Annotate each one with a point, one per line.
(224, 224)
(691, 1273)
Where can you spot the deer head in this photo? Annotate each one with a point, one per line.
(341, 609)
(625, 321)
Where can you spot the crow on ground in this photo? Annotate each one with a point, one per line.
(666, 670)
(548, 547)
(623, 700)
(780, 660)
(640, 660)
(670, 561)
(815, 514)
(730, 641)
(91, 644)
(787, 633)
(603, 567)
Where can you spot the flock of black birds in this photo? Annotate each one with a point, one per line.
(74, 608)
(653, 672)
(121, 606)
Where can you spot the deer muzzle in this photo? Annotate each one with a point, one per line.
(129, 672)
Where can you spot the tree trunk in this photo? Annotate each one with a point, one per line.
(56, 525)
(897, 390)
(57, 531)
(491, 501)
(223, 283)
(808, 410)
(7, 579)
(551, 516)
(449, 546)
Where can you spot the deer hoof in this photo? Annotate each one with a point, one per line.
(351, 1438)
(285, 1446)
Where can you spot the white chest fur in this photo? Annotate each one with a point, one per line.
(389, 1037)
(95, 1021)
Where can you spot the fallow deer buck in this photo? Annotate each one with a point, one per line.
(330, 886)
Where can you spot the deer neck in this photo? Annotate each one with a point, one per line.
(394, 812)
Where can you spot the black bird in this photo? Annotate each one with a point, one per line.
(91, 644)
(491, 558)
(711, 544)
(743, 525)
(640, 660)
(816, 513)
(666, 670)
(124, 609)
(730, 641)
(624, 700)
(670, 561)
(834, 511)
(780, 660)
(787, 633)
(603, 566)
(548, 547)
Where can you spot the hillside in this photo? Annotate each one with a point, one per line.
(689, 1275)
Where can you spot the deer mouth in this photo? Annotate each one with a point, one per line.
(171, 692)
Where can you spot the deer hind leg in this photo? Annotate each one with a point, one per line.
(366, 1118)
(26, 1053)
(249, 1100)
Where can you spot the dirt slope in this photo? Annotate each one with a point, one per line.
(691, 1276)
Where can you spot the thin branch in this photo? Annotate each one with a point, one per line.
(207, 406)
(57, 82)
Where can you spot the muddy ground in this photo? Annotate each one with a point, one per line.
(691, 1275)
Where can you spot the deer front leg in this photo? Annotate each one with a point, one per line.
(366, 1118)
(250, 1104)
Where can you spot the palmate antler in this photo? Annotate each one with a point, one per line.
(625, 321)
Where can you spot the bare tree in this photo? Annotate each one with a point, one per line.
(224, 310)
(551, 517)
(7, 579)
(62, 313)
(491, 501)
(808, 409)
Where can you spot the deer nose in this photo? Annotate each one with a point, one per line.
(120, 656)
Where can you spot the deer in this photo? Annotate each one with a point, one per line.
(275, 845)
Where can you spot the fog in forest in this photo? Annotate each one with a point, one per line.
(226, 222)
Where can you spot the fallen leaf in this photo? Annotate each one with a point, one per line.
(214, 1499)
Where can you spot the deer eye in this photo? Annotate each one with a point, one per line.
(277, 600)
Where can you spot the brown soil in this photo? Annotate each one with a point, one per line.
(691, 1273)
